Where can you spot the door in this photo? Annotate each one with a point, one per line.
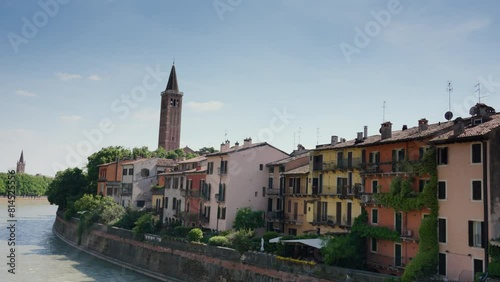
(399, 222)
(349, 159)
(349, 214)
(339, 212)
(397, 255)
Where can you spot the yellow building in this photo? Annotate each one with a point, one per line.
(336, 184)
(296, 198)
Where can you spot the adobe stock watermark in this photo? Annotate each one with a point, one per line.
(488, 87)
(40, 19)
(363, 37)
(122, 107)
(280, 120)
(223, 6)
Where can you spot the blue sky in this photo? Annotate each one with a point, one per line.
(239, 63)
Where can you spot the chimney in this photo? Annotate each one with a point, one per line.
(335, 140)
(365, 132)
(236, 145)
(359, 137)
(386, 130)
(300, 148)
(458, 126)
(247, 142)
(224, 147)
(405, 127)
(422, 124)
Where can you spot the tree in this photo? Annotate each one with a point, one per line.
(142, 152)
(26, 184)
(105, 155)
(68, 186)
(248, 219)
(206, 150)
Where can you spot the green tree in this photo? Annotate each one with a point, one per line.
(68, 186)
(26, 184)
(105, 155)
(160, 153)
(206, 150)
(248, 219)
(142, 152)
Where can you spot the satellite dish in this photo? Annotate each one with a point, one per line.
(448, 115)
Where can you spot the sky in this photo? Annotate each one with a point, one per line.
(77, 76)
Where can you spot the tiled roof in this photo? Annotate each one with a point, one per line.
(289, 159)
(159, 162)
(300, 170)
(114, 162)
(241, 148)
(471, 131)
(412, 133)
(193, 160)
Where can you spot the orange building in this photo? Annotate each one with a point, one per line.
(110, 178)
(387, 157)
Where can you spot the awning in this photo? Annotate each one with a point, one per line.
(315, 243)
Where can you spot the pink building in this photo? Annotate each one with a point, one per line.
(237, 177)
(468, 193)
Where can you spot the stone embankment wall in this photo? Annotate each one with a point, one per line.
(173, 260)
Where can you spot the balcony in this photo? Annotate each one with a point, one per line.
(205, 196)
(274, 215)
(297, 219)
(273, 192)
(389, 167)
(190, 193)
(222, 171)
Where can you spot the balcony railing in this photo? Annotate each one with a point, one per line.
(205, 196)
(190, 193)
(219, 198)
(274, 215)
(273, 192)
(405, 166)
(297, 219)
(222, 171)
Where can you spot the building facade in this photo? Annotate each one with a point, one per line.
(236, 178)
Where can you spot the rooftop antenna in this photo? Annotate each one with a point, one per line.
(383, 112)
(299, 133)
(449, 115)
(294, 139)
(478, 91)
(225, 134)
(449, 89)
(317, 135)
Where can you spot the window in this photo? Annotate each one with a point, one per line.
(421, 184)
(189, 185)
(166, 203)
(223, 167)
(398, 222)
(174, 203)
(261, 167)
(421, 152)
(375, 216)
(476, 230)
(374, 186)
(223, 215)
(305, 207)
(210, 168)
(476, 190)
(442, 190)
(442, 264)
(109, 191)
(270, 183)
(397, 157)
(144, 172)
(292, 231)
(124, 171)
(398, 259)
(374, 245)
(374, 158)
(442, 156)
(140, 204)
(271, 169)
(130, 171)
(289, 206)
(263, 191)
(478, 266)
(476, 153)
(256, 193)
(442, 230)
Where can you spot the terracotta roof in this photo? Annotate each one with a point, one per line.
(300, 170)
(193, 160)
(159, 162)
(289, 159)
(470, 130)
(114, 162)
(241, 148)
(412, 133)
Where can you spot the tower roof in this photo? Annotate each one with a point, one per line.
(21, 159)
(172, 80)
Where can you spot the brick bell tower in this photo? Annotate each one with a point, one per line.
(170, 114)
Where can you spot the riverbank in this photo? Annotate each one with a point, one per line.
(174, 260)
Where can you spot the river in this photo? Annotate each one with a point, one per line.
(42, 256)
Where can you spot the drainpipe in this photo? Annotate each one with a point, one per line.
(485, 204)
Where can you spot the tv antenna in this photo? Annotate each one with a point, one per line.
(300, 129)
(225, 134)
(478, 91)
(317, 135)
(383, 112)
(449, 115)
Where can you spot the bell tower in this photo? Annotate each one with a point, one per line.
(20, 164)
(170, 114)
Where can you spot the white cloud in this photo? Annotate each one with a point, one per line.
(25, 93)
(147, 115)
(71, 118)
(94, 77)
(67, 76)
(209, 106)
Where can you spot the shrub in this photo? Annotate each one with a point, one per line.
(494, 269)
(195, 235)
(219, 241)
(145, 224)
(129, 218)
(241, 240)
(182, 231)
